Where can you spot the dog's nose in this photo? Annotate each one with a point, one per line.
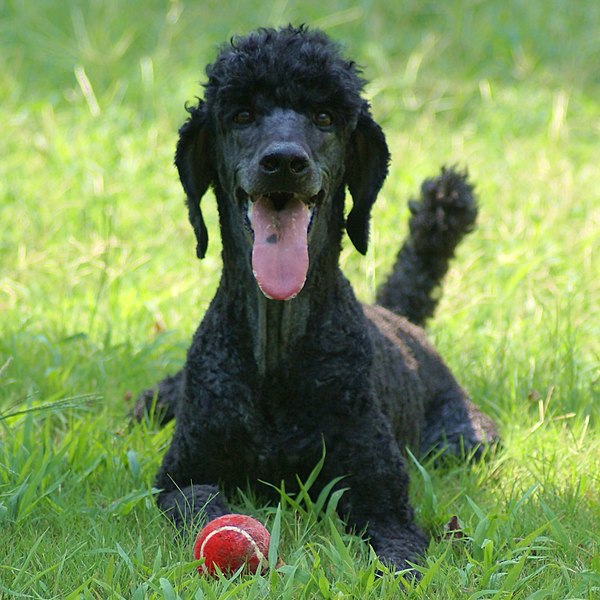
(285, 159)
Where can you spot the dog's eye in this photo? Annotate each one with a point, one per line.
(243, 117)
(323, 118)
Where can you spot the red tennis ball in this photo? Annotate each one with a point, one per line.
(231, 541)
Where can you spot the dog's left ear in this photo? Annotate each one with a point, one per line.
(193, 161)
(366, 168)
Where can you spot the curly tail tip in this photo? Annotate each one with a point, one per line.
(446, 212)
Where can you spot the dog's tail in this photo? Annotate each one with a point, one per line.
(445, 213)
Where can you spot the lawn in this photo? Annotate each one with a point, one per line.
(100, 290)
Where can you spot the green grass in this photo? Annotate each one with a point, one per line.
(100, 290)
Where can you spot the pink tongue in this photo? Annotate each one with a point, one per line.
(280, 252)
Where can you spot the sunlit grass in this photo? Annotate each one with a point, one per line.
(100, 291)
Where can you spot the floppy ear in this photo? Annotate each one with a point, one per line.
(366, 169)
(192, 160)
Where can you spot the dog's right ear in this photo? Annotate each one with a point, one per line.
(192, 159)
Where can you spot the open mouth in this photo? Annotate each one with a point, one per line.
(279, 225)
(279, 201)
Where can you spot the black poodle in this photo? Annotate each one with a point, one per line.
(286, 360)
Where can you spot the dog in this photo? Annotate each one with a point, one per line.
(286, 360)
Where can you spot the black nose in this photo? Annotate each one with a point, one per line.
(285, 159)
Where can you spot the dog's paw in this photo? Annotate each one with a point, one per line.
(192, 506)
(399, 548)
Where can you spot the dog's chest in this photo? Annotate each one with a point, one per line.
(286, 451)
(274, 426)
(270, 450)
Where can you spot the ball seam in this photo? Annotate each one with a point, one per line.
(244, 533)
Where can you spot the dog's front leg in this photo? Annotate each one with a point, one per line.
(187, 480)
(377, 498)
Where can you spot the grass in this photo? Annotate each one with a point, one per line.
(100, 291)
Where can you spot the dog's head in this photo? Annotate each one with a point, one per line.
(281, 132)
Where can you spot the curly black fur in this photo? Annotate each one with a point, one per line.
(268, 381)
(284, 67)
(446, 212)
